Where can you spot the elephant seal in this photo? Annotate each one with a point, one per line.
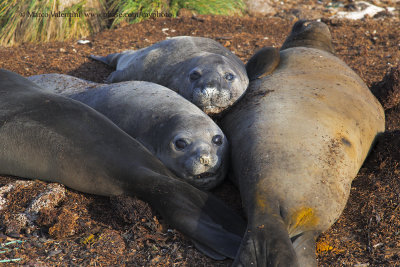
(53, 138)
(298, 138)
(200, 69)
(185, 139)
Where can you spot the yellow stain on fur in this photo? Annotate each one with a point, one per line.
(261, 201)
(303, 218)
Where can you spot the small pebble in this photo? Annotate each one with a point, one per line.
(83, 42)
(54, 252)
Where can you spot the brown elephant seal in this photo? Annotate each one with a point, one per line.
(298, 138)
(53, 138)
(200, 69)
(183, 137)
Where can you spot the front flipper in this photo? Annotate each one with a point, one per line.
(219, 230)
(258, 249)
(267, 244)
(262, 63)
(215, 228)
(208, 251)
(304, 245)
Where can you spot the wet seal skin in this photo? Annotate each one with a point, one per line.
(298, 138)
(53, 138)
(200, 69)
(183, 137)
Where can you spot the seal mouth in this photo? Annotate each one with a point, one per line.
(204, 175)
(206, 180)
(213, 110)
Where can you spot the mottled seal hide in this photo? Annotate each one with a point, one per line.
(183, 137)
(53, 138)
(199, 69)
(298, 138)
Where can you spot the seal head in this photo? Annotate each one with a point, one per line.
(212, 83)
(195, 156)
(312, 34)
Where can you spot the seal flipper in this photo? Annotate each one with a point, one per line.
(311, 34)
(304, 245)
(203, 218)
(267, 245)
(207, 251)
(111, 59)
(119, 76)
(262, 63)
(228, 243)
(99, 58)
(213, 227)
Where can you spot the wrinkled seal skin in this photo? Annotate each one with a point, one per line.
(185, 139)
(199, 69)
(53, 138)
(298, 138)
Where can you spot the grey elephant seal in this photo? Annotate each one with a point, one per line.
(184, 138)
(199, 69)
(298, 138)
(53, 138)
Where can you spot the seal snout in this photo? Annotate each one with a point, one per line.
(205, 160)
(205, 93)
(204, 166)
(212, 89)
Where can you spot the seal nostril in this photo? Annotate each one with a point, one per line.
(205, 160)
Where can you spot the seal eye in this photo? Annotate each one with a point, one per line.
(180, 144)
(195, 75)
(229, 77)
(217, 139)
